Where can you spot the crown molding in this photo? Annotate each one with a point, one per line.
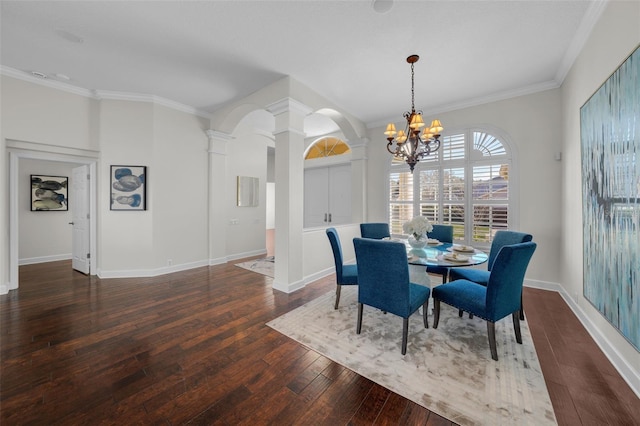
(102, 94)
(53, 84)
(141, 97)
(501, 96)
(585, 28)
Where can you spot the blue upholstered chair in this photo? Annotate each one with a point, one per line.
(383, 282)
(345, 274)
(376, 231)
(500, 297)
(443, 233)
(501, 239)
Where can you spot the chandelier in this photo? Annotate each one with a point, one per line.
(410, 144)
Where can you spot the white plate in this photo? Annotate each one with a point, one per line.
(433, 242)
(452, 257)
(464, 249)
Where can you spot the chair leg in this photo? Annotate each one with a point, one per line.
(521, 309)
(460, 313)
(491, 329)
(436, 312)
(424, 314)
(338, 288)
(405, 332)
(470, 315)
(359, 326)
(516, 326)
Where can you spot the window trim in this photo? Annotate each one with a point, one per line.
(467, 163)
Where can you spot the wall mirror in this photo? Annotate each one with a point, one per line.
(247, 191)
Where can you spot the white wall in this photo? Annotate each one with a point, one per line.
(44, 235)
(45, 116)
(171, 143)
(125, 238)
(532, 127)
(36, 113)
(178, 188)
(615, 36)
(247, 156)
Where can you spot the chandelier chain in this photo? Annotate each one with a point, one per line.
(413, 107)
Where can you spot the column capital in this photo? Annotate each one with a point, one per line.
(218, 141)
(289, 105)
(217, 135)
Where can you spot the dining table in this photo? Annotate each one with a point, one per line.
(448, 255)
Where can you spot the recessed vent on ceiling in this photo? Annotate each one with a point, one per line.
(38, 74)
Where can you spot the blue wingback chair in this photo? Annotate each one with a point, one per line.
(501, 239)
(376, 231)
(444, 233)
(500, 297)
(383, 282)
(345, 274)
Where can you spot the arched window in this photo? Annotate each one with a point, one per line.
(327, 147)
(465, 184)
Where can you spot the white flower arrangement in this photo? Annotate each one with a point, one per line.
(418, 226)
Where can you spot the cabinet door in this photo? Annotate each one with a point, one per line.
(340, 194)
(316, 197)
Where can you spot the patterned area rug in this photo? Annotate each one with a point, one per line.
(447, 370)
(261, 266)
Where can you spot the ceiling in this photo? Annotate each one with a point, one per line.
(206, 54)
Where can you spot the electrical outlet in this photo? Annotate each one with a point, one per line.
(169, 262)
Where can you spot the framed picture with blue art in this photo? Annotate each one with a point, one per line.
(610, 150)
(128, 187)
(49, 193)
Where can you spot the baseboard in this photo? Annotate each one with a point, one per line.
(237, 256)
(288, 287)
(134, 273)
(4, 289)
(44, 259)
(318, 275)
(626, 371)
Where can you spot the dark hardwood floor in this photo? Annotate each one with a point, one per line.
(192, 347)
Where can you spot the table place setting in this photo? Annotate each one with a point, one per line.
(455, 257)
(433, 242)
(462, 248)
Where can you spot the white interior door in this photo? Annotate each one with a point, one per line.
(316, 197)
(340, 194)
(79, 203)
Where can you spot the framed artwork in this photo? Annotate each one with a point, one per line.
(610, 151)
(128, 186)
(49, 193)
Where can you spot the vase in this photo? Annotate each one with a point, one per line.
(418, 243)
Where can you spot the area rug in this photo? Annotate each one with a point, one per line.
(263, 266)
(447, 370)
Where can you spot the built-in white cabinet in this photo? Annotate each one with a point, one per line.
(327, 196)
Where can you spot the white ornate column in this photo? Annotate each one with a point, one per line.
(218, 189)
(289, 175)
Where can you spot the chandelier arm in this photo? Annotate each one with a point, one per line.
(388, 149)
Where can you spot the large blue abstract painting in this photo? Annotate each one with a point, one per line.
(610, 144)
